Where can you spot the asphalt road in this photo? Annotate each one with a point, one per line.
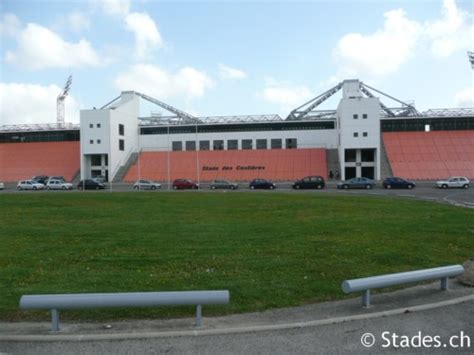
(424, 191)
(446, 330)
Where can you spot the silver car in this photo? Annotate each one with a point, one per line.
(54, 184)
(146, 185)
(29, 185)
(223, 184)
(454, 181)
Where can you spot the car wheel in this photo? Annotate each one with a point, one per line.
(18, 188)
(153, 187)
(213, 187)
(63, 188)
(346, 187)
(232, 187)
(194, 187)
(47, 187)
(389, 186)
(175, 187)
(297, 187)
(466, 186)
(444, 186)
(320, 187)
(34, 188)
(97, 187)
(135, 187)
(368, 187)
(410, 186)
(272, 187)
(79, 187)
(252, 187)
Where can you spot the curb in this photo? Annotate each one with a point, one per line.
(224, 331)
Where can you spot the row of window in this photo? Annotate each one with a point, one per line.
(364, 134)
(233, 144)
(356, 116)
(121, 143)
(121, 129)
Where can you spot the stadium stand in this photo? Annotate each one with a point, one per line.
(24, 160)
(430, 155)
(238, 165)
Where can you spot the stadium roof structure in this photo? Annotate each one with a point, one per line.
(305, 112)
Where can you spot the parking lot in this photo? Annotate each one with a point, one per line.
(424, 190)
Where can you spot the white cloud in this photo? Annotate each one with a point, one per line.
(387, 49)
(285, 95)
(31, 103)
(227, 72)
(40, 48)
(382, 52)
(454, 31)
(10, 25)
(78, 21)
(154, 81)
(116, 7)
(147, 36)
(465, 98)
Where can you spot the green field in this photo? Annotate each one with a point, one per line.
(269, 249)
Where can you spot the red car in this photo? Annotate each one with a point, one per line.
(181, 184)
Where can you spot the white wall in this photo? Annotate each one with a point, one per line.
(305, 138)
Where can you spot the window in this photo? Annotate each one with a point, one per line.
(367, 155)
(190, 145)
(177, 145)
(291, 143)
(121, 129)
(218, 145)
(364, 116)
(96, 160)
(91, 125)
(91, 141)
(98, 125)
(121, 144)
(364, 134)
(232, 144)
(246, 144)
(355, 116)
(276, 144)
(98, 141)
(204, 145)
(356, 134)
(261, 144)
(350, 155)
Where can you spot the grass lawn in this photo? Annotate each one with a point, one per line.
(268, 249)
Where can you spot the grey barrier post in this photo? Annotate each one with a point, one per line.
(198, 315)
(55, 320)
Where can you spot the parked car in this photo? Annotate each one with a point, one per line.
(2, 186)
(455, 181)
(261, 184)
(223, 184)
(356, 183)
(397, 183)
(29, 185)
(100, 179)
(90, 184)
(146, 185)
(54, 184)
(60, 178)
(309, 182)
(182, 184)
(40, 178)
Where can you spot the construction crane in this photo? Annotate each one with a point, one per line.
(60, 101)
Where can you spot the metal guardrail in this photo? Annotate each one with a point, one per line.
(368, 283)
(57, 302)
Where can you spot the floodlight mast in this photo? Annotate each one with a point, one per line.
(470, 55)
(60, 101)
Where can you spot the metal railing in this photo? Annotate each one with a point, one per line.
(368, 283)
(57, 302)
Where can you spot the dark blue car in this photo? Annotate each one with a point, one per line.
(398, 183)
(261, 184)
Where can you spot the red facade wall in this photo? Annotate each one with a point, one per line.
(236, 165)
(20, 161)
(430, 155)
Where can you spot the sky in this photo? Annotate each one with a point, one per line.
(230, 57)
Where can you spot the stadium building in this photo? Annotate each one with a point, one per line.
(361, 137)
